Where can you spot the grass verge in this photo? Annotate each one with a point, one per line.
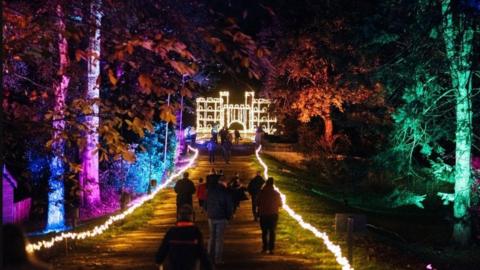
(368, 252)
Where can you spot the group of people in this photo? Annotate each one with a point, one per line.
(218, 198)
(226, 141)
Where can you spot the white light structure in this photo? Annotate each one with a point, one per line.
(103, 227)
(252, 114)
(335, 249)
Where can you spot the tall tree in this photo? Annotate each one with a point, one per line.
(89, 179)
(458, 33)
(56, 194)
(317, 70)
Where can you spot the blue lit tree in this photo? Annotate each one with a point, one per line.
(149, 159)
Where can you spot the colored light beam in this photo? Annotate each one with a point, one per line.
(335, 249)
(102, 228)
(56, 208)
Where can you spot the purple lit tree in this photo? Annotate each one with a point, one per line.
(56, 194)
(89, 179)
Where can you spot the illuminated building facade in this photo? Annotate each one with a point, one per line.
(250, 115)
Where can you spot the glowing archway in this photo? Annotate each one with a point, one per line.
(237, 122)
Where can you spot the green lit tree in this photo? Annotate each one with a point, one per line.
(430, 82)
(458, 33)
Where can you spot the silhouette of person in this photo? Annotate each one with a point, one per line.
(182, 247)
(15, 257)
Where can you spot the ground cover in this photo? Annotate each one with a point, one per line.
(414, 246)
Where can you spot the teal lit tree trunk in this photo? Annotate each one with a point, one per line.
(458, 35)
(56, 194)
(89, 178)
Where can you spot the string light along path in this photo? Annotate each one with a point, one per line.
(102, 228)
(335, 249)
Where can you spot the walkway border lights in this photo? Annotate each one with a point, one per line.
(97, 230)
(335, 249)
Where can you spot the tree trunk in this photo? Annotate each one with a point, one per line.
(89, 178)
(459, 56)
(463, 175)
(328, 129)
(56, 194)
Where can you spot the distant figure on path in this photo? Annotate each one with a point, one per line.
(211, 145)
(201, 193)
(223, 135)
(15, 256)
(253, 188)
(237, 136)
(259, 137)
(214, 133)
(269, 201)
(219, 211)
(227, 148)
(185, 190)
(182, 247)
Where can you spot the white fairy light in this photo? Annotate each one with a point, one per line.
(335, 249)
(43, 244)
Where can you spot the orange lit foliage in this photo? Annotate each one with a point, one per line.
(309, 80)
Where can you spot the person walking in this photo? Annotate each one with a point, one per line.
(214, 133)
(211, 145)
(227, 148)
(253, 188)
(212, 178)
(201, 193)
(235, 189)
(219, 211)
(185, 190)
(182, 247)
(269, 201)
(259, 137)
(237, 136)
(223, 135)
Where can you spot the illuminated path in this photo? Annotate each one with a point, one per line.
(134, 249)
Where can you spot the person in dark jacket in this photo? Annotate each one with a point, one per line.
(185, 190)
(237, 191)
(269, 201)
(182, 247)
(214, 133)
(253, 188)
(223, 135)
(227, 146)
(211, 146)
(212, 178)
(219, 211)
